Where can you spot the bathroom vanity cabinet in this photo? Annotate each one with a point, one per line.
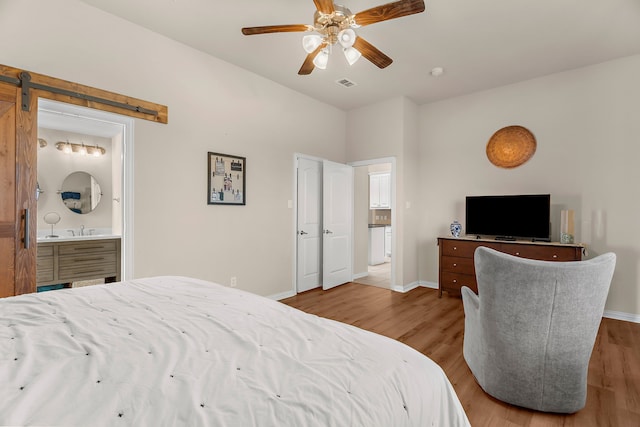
(74, 260)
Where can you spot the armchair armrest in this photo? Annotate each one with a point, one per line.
(473, 345)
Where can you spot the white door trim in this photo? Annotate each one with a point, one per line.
(118, 125)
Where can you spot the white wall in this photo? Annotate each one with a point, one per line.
(389, 129)
(410, 191)
(587, 129)
(213, 106)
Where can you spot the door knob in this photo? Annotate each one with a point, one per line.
(302, 232)
(328, 232)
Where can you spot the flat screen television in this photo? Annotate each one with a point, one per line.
(524, 216)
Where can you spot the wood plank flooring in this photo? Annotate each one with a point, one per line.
(435, 327)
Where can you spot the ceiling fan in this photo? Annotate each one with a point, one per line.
(335, 25)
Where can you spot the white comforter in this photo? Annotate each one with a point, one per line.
(177, 351)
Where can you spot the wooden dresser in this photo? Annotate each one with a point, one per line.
(456, 268)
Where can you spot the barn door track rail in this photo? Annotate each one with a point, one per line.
(78, 94)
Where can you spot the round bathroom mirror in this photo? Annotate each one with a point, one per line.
(81, 192)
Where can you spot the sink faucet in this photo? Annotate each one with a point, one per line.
(82, 230)
(73, 233)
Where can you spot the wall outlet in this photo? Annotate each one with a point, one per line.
(234, 282)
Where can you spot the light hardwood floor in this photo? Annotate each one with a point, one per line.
(435, 327)
(378, 275)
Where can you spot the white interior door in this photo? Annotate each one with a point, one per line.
(309, 225)
(337, 218)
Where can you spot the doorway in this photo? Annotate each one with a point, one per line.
(58, 118)
(375, 221)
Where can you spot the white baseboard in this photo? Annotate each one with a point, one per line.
(360, 275)
(430, 285)
(282, 295)
(619, 315)
(405, 288)
(413, 285)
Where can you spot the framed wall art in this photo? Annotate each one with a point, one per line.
(226, 182)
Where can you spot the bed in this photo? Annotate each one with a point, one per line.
(182, 351)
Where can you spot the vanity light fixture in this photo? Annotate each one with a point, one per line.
(70, 147)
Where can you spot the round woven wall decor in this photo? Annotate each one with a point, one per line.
(511, 146)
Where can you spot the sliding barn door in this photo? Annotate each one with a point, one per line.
(18, 179)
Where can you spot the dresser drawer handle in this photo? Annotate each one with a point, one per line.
(455, 248)
(517, 253)
(455, 265)
(555, 256)
(455, 281)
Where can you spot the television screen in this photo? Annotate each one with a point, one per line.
(522, 216)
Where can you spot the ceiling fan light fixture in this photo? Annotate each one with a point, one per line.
(335, 24)
(321, 59)
(311, 42)
(347, 38)
(352, 54)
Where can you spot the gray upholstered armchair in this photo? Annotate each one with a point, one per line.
(530, 331)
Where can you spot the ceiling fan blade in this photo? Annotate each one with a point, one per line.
(307, 65)
(387, 11)
(249, 31)
(324, 6)
(372, 53)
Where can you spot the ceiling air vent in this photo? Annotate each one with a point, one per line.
(346, 82)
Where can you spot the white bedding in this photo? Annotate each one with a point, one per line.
(180, 351)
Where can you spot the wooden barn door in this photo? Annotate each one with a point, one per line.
(17, 205)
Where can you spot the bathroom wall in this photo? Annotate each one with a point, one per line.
(54, 166)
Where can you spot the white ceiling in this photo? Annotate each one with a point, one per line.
(480, 44)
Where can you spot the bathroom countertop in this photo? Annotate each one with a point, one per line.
(77, 238)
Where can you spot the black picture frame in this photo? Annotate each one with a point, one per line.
(226, 179)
